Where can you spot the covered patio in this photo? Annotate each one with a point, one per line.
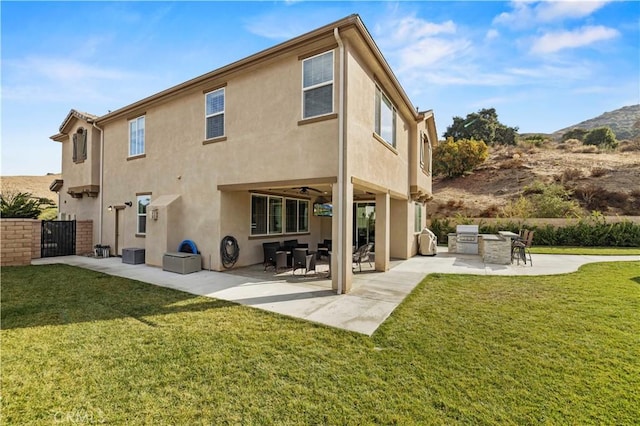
(359, 214)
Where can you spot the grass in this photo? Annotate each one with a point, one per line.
(596, 251)
(82, 347)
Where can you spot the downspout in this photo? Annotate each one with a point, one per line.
(341, 160)
(101, 213)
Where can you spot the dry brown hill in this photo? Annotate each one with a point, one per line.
(605, 181)
(36, 185)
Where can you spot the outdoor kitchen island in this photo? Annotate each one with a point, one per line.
(493, 248)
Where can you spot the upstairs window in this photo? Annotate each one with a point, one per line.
(136, 136)
(317, 85)
(385, 121)
(214, 114)
(80, 145)
(426, 150)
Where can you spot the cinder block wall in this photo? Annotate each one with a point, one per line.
(84, 237)
(37, 239)
(17, 241)
(20, 240)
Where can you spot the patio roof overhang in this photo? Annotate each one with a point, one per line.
(312, 188)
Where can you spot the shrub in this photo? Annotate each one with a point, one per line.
(629, 146)
(575, 134)
(442, 228)
(570, 174)
(550, 200)
(600, 199)
(599, 171)
(522, 207)
(512, 163)
(492, 211)
(602, 137)
(452, 159)
(591, 149)
(22, 205)
(49, 214)
(535, 140)
(588, 232)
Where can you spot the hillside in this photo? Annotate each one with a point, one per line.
(37, 185)
(604, 181)
(625, 123)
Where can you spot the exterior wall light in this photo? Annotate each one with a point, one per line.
(110, 208)
(128, 203)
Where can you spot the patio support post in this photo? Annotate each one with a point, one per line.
(383, 234)
(342, 250)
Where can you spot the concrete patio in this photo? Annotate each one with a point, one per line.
(374, 296)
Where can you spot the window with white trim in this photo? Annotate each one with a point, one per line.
(275, 215)
(385, 121)
(428, 162)
(417, 218)
(269, 213)
(136, 136)
(142, 203)
(317, 85)
(214, 114)
(296, 215)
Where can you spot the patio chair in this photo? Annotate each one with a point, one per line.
(522, 246)
(269, 255)
(282, 261)
(302, 260)
(323, 249)
(363, 253)
(289, 246)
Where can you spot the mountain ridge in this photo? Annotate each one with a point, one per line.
(625, 123)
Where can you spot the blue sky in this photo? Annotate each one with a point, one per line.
(542, 65)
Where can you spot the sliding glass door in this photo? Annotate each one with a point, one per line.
(364, 226)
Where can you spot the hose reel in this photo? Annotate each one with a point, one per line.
(229, 251)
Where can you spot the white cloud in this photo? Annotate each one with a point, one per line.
(558, 10)
(560, 40)
(69, 70)
(409, 27)
(53, 79)
(284, 25)
(529, 14)
(492, 34)
(419, 49)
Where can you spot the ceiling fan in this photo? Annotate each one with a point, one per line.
(306, 189)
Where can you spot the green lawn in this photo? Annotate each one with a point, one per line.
(81, 347)
(599, 251)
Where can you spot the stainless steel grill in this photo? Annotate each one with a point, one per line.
(467, 239)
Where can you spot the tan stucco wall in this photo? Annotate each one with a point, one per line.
(264, 142)
(373, 160)
(81, 174)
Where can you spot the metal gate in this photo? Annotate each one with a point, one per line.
(58, 238)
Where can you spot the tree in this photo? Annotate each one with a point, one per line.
(453, 158)
(22, 205)
(482, 126)
(602, 137)
(575, 133)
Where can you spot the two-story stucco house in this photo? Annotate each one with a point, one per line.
(259, 150)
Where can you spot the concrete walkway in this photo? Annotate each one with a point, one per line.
(373, 298)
